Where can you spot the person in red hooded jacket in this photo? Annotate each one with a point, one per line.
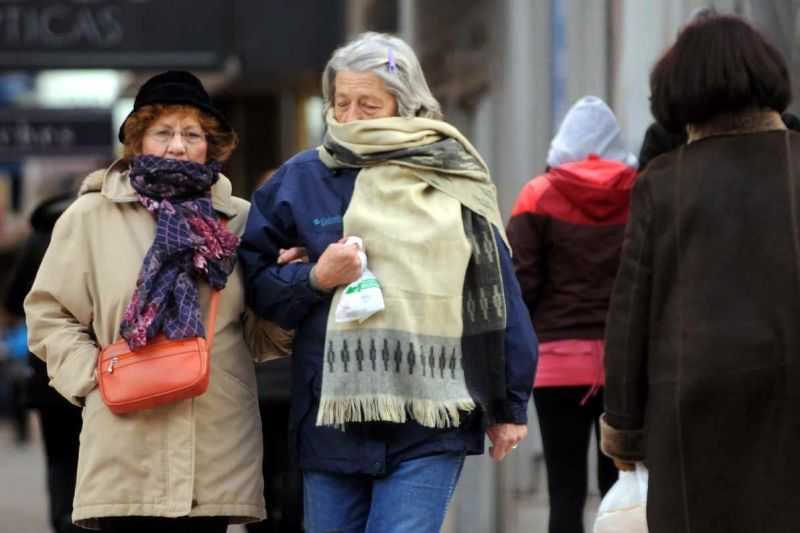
(566, 231)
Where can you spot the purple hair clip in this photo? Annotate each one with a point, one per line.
(392, 66)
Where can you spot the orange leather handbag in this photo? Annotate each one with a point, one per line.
(160, 372)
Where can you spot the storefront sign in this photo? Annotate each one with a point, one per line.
(123, 34)
(27, 132)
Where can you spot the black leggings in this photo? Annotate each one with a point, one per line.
(156, 524)
(566, 429)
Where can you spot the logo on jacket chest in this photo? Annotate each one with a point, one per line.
(321, 222)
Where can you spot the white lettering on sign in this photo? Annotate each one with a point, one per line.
(24, 135)
(60, 25)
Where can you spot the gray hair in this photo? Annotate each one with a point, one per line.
(370, 52)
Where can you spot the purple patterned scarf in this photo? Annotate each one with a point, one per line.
(190, 244)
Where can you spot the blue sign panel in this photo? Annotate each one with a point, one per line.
(26, 132)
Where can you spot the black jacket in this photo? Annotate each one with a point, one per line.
(19, 283)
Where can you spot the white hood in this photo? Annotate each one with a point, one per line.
(589, 127)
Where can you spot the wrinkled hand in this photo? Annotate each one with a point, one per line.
(296, 254)
(625, 466)
(504, 437)
(338, 265)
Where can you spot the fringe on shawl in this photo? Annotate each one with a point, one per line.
(337, 412)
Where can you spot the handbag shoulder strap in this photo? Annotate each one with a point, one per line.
(212, 318)
(212, 308)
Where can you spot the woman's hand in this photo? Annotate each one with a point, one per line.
(338, 265)
(505, 438)
(296, 254)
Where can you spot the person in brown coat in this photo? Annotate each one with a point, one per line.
(703, 336)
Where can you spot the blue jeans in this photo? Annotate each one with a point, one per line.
(413, 498)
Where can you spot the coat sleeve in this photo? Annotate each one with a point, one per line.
(522, 349)
(265, 339)
(625, 393)
(275, 292)
(59, 310)
(526, 236)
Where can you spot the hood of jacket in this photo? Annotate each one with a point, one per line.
(113, 183)
(589, 128)
(600, 188)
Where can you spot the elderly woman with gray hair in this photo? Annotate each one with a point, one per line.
(385, 410)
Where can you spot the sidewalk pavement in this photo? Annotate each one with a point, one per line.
(23, 498)
(23, 484)
(23, 504)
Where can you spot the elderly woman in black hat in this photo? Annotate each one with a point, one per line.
(138, 254)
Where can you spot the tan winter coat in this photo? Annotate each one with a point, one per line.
(196, 457)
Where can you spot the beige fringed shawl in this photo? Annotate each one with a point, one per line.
(424, 205)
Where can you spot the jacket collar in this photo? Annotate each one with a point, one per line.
(113, 183)
(746, 121)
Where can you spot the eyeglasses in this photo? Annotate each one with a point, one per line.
(164, 136)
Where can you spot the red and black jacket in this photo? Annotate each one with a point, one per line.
(566, 232)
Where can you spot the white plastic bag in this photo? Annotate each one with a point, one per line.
(362, 298)
(623, 507)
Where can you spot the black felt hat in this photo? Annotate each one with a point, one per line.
(175, 87)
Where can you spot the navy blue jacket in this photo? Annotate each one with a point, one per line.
(303, 205)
